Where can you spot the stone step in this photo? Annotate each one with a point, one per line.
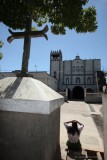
(84, 155)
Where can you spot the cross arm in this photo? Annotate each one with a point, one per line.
(32, 34)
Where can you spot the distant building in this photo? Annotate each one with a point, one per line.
(74, 75)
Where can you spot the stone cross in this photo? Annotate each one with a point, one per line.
(27, 35)
(32, 34)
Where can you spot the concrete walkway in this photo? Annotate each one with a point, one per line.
(81, 111)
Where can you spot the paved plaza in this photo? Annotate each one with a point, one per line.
(91, 138)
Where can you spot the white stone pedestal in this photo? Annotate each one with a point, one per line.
(104, 111)
(29, 120)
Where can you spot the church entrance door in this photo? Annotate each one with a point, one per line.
(78, 93)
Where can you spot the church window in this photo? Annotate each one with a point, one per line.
(73, 68)
(67, 80)
(77, 68)
(82, 69)
(54, 74)
(77, 80)
(88, 80)
(55, 58)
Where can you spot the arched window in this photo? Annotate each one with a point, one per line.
(77, 80)
(77, 68)
(67, 80)
(89, 80)
(82, 68)
(73, 68)
(54, 74)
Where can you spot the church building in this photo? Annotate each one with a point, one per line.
(75, 75)
(72, 78)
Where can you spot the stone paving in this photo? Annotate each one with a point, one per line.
(81, 111)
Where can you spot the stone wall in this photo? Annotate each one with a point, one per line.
(29, 136)
(93, 98)
(46, 79)
(104, 111)
(43, 76)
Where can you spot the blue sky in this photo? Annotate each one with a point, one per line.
(86, 45)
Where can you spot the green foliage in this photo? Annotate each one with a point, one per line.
(101, 79)
(61, 14)
(1, 44)
(1, 55)
(34, 28)
(101, 83)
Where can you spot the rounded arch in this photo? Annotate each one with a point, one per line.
(89, 90)
(78, 93)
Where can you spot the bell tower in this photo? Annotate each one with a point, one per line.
(55, 64)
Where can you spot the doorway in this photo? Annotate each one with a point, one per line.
(78, 93)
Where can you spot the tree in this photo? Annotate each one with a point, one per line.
(61, 14)
(101, 76)
(1, 44)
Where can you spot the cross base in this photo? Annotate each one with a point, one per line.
(23, 74)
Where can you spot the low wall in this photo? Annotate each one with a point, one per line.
(104, 109)
(93, 98)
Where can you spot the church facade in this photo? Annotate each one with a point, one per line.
(74, 75)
